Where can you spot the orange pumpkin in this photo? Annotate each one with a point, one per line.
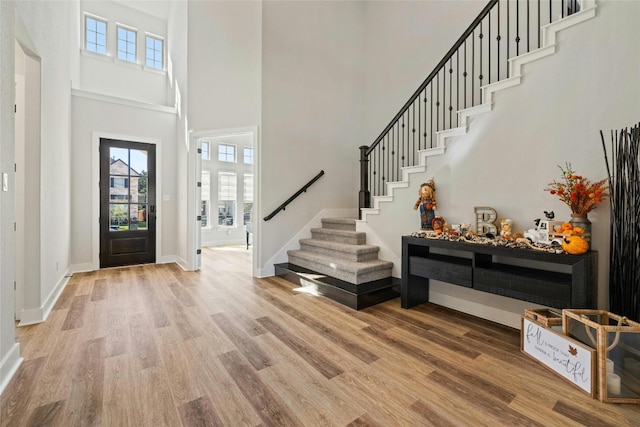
(575, 245)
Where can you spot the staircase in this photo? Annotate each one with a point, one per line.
(337, 263)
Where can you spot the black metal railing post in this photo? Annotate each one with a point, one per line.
(364, 195)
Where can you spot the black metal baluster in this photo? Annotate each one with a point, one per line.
(451, 93)
(498, 44)
(385, 168)
(473, 68)
(508, 39)
(437, 102)
(480, 77)
(431, 118)
(539, 26)
(489, 50)
(550, 12)
(457, 85)
(517, 27)
(528, 35)
(413, 132)
(425, 118)
(465, 74)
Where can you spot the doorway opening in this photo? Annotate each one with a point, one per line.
(226, 171)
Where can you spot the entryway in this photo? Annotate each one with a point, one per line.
(127, 203)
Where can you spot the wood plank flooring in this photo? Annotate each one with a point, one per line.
(156, 346)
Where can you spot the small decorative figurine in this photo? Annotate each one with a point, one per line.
(427, 204)
(506, 228)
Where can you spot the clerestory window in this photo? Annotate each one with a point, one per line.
(154, 52)
(95, 35)
(126, 44)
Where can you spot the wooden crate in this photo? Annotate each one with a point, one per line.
(617, 343)
(569, 359)
(545, 316)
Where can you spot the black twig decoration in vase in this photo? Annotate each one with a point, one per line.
(623, 167)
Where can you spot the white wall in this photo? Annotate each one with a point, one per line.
(44, 27)
(96, 117)
(224, 64)
(404, 42)
(177, 54)
(9, 349)
(512, 153)
(312, 94)
(224, 69)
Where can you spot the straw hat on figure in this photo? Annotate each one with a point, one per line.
(427, 204)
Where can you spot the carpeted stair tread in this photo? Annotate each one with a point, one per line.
(356, 253)
(344, 265)
(339, 223)
(340, 236)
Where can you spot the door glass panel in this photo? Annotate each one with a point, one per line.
(128, 188)
(118, 217)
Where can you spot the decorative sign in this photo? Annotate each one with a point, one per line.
(485, 220)
(565, 356)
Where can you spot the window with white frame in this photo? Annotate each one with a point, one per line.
(126, 44)
(95, 35)
(226, 153)
(248, 198)
(154, 48)
(205, 198)
(204, 148)
(227, 197)
(248, 155)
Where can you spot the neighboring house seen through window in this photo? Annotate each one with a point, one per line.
(95, 35)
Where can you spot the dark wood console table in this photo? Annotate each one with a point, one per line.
(553, 280)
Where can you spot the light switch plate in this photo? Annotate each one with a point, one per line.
(5, 181)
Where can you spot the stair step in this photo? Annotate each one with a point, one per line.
(348, 271)
(340, 236)
(354, 253)
(348, 224)
(355, 296)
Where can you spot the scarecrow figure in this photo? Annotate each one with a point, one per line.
(427, 204)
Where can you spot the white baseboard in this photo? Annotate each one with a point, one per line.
(9, 366)
(167, 259)
(40, 314)
(494, 314)
(82, 268)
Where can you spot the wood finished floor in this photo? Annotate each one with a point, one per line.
(156, 346)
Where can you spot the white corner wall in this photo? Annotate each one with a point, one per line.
(513, 152)
(9, 349)
(312, 94)
(30, 23)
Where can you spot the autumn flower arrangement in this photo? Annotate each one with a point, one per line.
(577, 192)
